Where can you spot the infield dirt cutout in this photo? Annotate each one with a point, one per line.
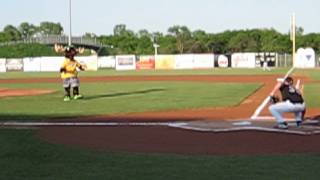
(165, 139)
(23, 92)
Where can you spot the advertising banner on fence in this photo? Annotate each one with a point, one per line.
(305, 58)
(184, 61)
(146, 62)
(243, 60)
(32, 64)
(51, 64)
(126, 62)
(107, 62)
(165, 62)
(90, 61)
(3, 65)
(14, 65)
(203, 61)
(222, 61)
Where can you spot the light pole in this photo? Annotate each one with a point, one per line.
(293, 38)
(70, 28)
(156, 46)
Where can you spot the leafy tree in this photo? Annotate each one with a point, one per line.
(89, 35)
(121, 30)
(218, 43)
(144, 33)
(50, 28)
(177, 40)
(144, 45)
(200, 42)
(27, 30)
(310, 40)
(299, 31)
(182, 35)
(4, 37)
(242, 42)
(26, 50)
(12, 33)
(168, 45)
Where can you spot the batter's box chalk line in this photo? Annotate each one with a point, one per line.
(246, 125)
(39, 124)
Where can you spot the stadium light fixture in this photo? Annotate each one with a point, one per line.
(156, 46)
(70, 27)
(293, 37)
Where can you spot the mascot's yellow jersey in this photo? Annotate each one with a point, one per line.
(70, 67)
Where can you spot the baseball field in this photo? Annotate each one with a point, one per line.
(127, 126)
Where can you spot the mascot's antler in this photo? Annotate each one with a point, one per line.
(59, 48)
(80, 50)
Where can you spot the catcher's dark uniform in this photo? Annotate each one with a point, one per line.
(292, 102)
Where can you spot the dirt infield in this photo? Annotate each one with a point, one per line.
(23, 92)
(177, 141)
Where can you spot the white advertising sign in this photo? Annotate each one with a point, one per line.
(202, 61)
(305, 58)
(243, 60)
(14, 64)
(107, 62)
(3, 65)
(51, 64)
(223, 61)
(126, 62)
(90, 61)
(32, 64)
(184, 61)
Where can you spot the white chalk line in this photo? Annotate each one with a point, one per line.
(180, 125)
(270, 118)
(252, 128)
(12, 123)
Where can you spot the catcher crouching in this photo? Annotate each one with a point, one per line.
(292, 102)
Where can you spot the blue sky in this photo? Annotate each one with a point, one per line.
(100, 16)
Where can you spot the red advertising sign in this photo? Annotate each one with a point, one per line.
(146, 62)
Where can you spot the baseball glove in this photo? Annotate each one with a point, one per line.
(274, 99)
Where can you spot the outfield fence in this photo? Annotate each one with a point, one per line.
(284, 60)
(181, 61)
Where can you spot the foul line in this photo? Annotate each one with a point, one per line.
(180, 125)
(32, 124)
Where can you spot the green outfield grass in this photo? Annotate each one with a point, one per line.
(123, 97)
(109, 72)
(312, 73)
(24, 156)
(311, 94)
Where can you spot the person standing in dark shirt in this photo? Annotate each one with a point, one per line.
(292, 102)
